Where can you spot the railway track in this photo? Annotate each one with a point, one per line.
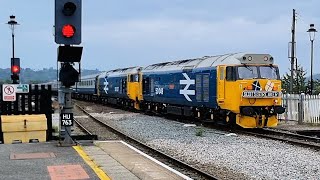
(275, 134)
(84, 129)
(180, 166)
(284, 136)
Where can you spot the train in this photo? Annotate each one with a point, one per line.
(242, 89)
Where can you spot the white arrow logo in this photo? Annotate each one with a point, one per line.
(186, 92)
(105, 83)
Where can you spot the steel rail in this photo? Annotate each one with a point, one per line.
(82, 127)
(287, 137)
(162, 154)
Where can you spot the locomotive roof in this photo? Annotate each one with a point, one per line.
(123, 71)
(212, 61)
(90, 76)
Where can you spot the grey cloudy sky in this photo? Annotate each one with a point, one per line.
(126, 33)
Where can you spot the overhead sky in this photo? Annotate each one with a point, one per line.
(123, 33)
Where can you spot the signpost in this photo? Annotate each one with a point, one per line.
(66, 119)
(9, 92)
(22, 88)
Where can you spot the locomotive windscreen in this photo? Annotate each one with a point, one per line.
(258, 72)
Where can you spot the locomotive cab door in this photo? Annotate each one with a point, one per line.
(96, 86)
(221, 74)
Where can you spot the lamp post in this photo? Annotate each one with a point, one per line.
(312, 32)
(12, 23)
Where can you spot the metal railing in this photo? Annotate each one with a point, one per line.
(302, 108)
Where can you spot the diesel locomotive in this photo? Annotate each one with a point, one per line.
(237, 88)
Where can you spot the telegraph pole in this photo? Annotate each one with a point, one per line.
(293, 43)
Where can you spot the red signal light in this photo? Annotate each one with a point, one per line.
(68, 31)
(15, 69)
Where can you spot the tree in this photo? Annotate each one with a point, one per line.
(299, 81)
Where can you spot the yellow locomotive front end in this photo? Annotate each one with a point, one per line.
(252, 91)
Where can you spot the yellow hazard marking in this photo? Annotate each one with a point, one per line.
(93, 166)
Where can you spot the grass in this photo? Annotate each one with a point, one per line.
(199, 132)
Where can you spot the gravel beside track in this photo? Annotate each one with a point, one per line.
(225, 155)
(94, 127)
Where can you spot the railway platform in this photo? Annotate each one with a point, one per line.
(98, 160)
(42, 161)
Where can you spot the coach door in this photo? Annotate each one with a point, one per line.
(221, 74)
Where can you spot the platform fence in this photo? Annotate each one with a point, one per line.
(36, 101)
(302, 108)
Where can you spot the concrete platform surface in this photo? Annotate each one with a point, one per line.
(122, 161)
(42, 161)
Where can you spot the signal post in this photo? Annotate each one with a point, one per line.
(68, 34)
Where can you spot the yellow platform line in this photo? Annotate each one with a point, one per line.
(93, 166)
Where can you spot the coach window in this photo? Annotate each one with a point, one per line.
(230, 76)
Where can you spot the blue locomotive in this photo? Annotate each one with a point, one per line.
(238, 88)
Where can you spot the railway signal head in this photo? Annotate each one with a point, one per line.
(68, 75)
(68, 22)
(15, 69)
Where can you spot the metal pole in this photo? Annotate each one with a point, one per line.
(311, 66)
(292, 49)
(12, 44)
(14, 81)
(67, 108)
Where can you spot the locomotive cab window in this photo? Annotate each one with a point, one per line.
(221, 73)
(248, 72)
(231, 73)
(269, 72)
(134, 78)
(255, 72)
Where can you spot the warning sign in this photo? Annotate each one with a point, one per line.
(8, 92)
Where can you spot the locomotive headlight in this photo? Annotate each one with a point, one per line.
(266, 58)
(250, 58)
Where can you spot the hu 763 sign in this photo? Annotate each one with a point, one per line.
(66, 119)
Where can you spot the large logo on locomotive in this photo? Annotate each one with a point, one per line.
(105, 83)
(186, 92)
